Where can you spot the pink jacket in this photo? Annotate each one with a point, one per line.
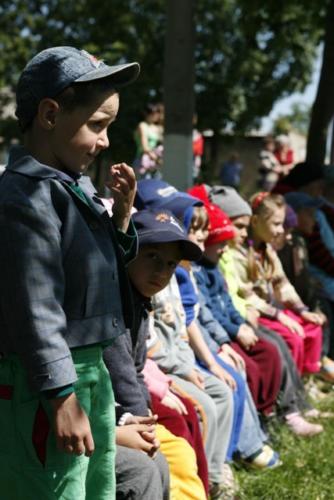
(157, 382)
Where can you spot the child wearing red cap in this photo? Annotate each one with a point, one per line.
(247, 440)
(261, 358)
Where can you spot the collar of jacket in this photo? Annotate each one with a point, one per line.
(21, 162)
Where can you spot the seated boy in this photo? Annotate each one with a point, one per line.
(175, 357)
(163, 244)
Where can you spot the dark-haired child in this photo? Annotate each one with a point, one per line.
(162, 244)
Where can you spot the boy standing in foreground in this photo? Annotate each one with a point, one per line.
(62, 261)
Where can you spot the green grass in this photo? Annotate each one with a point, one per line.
(307, 472)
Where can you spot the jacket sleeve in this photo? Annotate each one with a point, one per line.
(214, 302)
(121, 366)
(187, 292)
(235, 316)
(31, 295)
(172, 351)
(128, 242)
(140, 357)
(213, 333)
(172, 354)
(157, 382)
(246, 288)
(284, 291)
(226, 265)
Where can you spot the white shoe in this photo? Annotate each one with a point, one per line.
(301, 427)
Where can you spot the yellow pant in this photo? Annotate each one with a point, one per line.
(184, 481)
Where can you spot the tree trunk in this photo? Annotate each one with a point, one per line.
(179, 79)
(331, 157)
(323, 107)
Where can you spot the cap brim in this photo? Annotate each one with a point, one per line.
(189, 250)
(183, 202)
(120, 75)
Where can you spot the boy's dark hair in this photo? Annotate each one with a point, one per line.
(79, 95)
(83, 94)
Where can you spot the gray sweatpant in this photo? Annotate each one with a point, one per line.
(140, 477)
(217, 403)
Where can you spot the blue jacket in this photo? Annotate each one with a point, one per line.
(212, 285)
(62, 271)
(213, 333)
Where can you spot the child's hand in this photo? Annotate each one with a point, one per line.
(136, 419)
(72, 427)
(223, 375)
(312, 317)
(230, 356)
(173, 401)
(196, 378)
(138, 437)
(246, 337)
(252, 316)
(123, 187)
(291, 324)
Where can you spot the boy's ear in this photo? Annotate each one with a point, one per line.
(47, 113)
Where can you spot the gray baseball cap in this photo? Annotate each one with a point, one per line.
(53, 70)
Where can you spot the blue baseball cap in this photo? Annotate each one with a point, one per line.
(161, 226)
(298, 200)
(53, 70)
(154, 193)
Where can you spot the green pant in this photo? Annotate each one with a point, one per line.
(31, 466)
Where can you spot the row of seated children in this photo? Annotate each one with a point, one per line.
(220, 342)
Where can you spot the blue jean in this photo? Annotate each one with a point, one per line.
(251, 436)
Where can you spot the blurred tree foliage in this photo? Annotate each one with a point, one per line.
(249, 53)
(297, 119)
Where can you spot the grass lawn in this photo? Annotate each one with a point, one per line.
(307, 472)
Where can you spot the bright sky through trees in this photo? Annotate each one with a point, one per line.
(283, 106)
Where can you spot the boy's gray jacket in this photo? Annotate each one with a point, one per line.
(60, 274)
